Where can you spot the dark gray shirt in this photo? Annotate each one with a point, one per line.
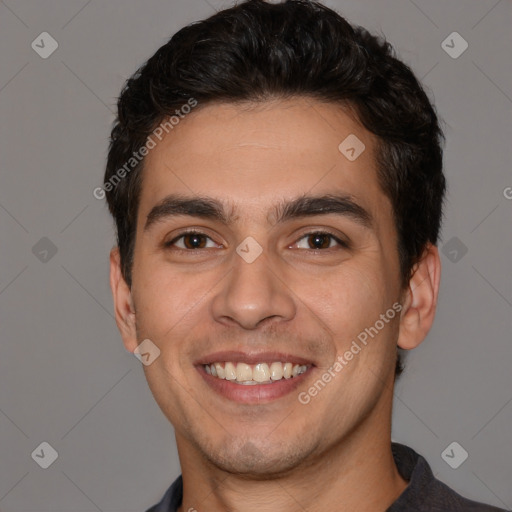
(423, 494)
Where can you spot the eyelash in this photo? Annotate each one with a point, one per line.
(169, 244)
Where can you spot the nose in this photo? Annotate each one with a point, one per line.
(253, 293)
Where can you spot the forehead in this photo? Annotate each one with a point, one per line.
(252, 155)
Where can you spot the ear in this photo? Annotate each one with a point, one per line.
(419, 304)
(123, 302)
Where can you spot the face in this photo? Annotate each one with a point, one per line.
(254, 272)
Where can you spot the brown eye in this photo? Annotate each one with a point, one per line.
(194, 241)
(191, 241)
(319, 240)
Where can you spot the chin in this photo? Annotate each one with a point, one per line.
(257, 460)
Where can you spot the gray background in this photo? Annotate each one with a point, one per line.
(65, 377)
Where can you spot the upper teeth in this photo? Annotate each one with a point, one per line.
(252, 374)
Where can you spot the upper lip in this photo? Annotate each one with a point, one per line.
(252, 358)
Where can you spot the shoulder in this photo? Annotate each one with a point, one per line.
(425, 493)
(171, 499)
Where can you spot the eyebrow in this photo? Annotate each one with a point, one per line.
(303, 206)
(308, 206)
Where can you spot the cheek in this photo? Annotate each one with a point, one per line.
(345, 298)
(349, 302)
(170, 314)
(164, 299)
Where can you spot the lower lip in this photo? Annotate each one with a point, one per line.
(256, 393)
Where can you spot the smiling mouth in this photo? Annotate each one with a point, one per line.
(253, 374)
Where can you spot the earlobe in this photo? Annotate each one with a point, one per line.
(420, 300)
(123, 302)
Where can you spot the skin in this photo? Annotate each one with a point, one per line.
(333, 453)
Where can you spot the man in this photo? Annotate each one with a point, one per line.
(275, 175)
